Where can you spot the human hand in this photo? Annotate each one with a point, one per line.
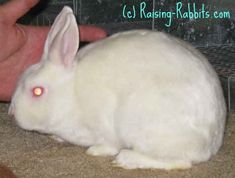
(22, 46)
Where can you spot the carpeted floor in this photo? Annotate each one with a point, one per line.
(33, 155)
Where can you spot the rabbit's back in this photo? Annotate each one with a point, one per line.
(141, 57)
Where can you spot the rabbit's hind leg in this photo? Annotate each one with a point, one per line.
(131, 159)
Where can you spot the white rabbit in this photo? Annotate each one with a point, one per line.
(147, 97)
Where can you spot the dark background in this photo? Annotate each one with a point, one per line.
(108, 14)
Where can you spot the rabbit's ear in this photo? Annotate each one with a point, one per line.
(63, 39)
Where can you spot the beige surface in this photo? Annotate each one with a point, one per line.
(32, 155)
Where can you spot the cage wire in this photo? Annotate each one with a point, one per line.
(222, 57)
(230, 78)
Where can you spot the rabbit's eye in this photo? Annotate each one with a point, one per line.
(38, 91)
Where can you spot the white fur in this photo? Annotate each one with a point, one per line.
(150, 96)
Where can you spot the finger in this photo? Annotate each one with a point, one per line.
(14, 9)
(91, 33)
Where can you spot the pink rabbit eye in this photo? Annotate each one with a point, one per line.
(38, 91)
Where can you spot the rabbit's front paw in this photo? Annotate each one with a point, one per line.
(102, 150)
(56, 138)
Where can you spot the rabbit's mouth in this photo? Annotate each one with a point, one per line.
(30, 123)
(31, 128)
